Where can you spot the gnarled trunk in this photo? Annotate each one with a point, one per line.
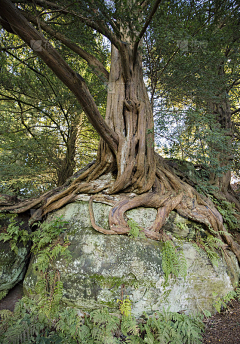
(130, 115)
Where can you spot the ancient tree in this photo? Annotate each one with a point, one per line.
(126, 164)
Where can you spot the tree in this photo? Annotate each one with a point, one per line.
(40, 124)
(204, 76)
(126, 148)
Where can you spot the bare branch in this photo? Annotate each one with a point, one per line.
(154, 9)
(101, 28)
(235, 111)
(96, 65)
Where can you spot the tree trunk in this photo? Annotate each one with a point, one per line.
(222, 111)
(67, 164)
(129, 114)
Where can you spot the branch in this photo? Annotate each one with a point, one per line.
(62, 70)
(45, 77)
(235, 111)
(91, 60)
(154, 9)
(103, 29)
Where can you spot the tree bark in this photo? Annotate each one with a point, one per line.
(129, 114)
(66, 165)
(222, 112)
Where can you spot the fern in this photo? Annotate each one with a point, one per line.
(72, 326)
(135, 230)
(5, 314)
(125, 306)
(3, 293)
(168, 327)
(173, 262)
(210, 245)
(14, 234)
(228, 212)
(221, 302)
(129, 326)
(105, 326)
(47, 232)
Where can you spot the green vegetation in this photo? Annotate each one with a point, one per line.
(13, 233)
(135, 230)
(228, 212)
(173, 261)
(221, 302)
(43, 318)
(31, 324)
(58, 99)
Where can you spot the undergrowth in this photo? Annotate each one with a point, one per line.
(42, 317)
(29, 324)
(221, 303)
(13, 233)
(228, 212)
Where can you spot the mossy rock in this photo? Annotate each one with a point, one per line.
(105, 267)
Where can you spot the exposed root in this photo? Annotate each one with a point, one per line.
(169, 192)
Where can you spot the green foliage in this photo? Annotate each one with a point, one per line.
(28, 324)
(228, 212)
(3, 293)
(222, 302)
(174, 328)
(211, 245)
(135, 230)
(42, 127)
(173, 261)
(125, 306)
(103, 326)
(14, 234)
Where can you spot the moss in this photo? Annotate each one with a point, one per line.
(114, 282)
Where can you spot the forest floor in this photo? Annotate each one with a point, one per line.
(223, 328)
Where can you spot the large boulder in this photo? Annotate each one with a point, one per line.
(13, 264)
(106, 267)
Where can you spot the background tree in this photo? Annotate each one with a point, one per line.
(43, 132)
(198, 86)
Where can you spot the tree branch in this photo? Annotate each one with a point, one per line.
(62, 70)
(154, 9)
(103, 29)
(96, 65)
(235, 111)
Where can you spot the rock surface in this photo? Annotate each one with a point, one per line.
(12, 265)
(106, 267)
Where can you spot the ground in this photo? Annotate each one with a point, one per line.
(223, 328)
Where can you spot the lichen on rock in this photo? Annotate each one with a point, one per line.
(106, 267)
